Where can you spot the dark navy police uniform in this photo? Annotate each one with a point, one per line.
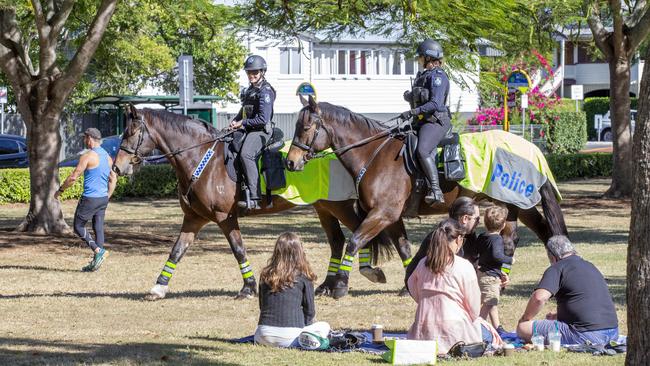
(256, 114)
(431, 115)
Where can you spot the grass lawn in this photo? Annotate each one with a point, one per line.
(54, 314)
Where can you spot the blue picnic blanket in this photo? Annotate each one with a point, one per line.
(367, 346)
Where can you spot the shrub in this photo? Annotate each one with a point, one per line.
(599, 105)
(570, 166)
(565, 131)
(150, 181)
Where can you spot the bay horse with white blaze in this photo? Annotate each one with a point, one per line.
(383, 183)
(214, 196)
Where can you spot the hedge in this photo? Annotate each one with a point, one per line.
(571, 166)
(565, 132)
(150, 181)
(599, 105)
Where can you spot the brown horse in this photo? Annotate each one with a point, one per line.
(214, 195)
(384, 184)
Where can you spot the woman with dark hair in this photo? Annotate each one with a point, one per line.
(446, 290)
(286, 296)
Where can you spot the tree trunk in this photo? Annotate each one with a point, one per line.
(619, 106)
(43, 147)
(638, 252)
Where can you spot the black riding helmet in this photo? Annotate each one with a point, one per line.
(430, 48)
(255, 62)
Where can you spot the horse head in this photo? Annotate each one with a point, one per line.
(136, 142)
(309, 138)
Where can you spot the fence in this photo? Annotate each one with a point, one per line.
(532, 133)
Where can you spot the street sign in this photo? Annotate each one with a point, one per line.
(306, 89)
(577, 92)
(3, 95)
(519, 79)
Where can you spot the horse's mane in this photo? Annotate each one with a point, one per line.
(347, 117)
(180, 123)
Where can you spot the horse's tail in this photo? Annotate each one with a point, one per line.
(552, 211)
(381, 246)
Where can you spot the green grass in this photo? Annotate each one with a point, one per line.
(54, 314)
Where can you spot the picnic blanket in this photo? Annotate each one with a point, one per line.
(366, 347)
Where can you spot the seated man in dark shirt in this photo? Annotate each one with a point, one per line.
(585, 310)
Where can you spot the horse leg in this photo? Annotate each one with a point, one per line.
(230, 228)
(534, 220)
(336, 240)
(397, 232)
(510, 235)
(375, 222)
(191, 225)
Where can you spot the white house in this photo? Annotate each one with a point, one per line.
(367, 75)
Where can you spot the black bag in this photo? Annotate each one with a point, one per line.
(471, 350)
(345, 339)
(273, 170)
(454, 162)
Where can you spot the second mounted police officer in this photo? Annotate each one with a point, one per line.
(255, 118)
(428, 99)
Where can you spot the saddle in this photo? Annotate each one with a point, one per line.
(271, 157)
(451, 156)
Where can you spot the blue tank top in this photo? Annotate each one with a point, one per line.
(96, 179)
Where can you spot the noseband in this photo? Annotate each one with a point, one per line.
(137, 159)
(310, 147)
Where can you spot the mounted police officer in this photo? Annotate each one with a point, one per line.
(428, 99)
(255, 118)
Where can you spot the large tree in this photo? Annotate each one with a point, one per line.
(638, 252)
(42, 82)
(618, 28)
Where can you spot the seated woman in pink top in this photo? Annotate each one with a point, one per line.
(446, 289)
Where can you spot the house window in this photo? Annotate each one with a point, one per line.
(409, 66)
(290, 61)
(353, 62)
(397, 63)
(342, 56)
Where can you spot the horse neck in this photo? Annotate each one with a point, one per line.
(343, 135)
(168, 139)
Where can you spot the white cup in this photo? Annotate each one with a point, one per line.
(538, 342)
(554, 341)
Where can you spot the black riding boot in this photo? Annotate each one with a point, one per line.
(431, 171)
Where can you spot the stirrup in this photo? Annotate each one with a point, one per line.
(434, 197)
(254, 204)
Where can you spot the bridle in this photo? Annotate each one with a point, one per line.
(137, 158)
(309, 148)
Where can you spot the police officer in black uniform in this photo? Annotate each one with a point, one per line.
(255, 118)
(428, 99)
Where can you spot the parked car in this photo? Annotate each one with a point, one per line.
(603, 125)
(13, 152)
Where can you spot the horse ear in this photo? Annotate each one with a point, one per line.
(304, 101)
(132, 110)
(313, 106)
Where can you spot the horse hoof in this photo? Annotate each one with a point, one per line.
(340, 292)
(323, 290)
(244, 296)
(404, 292)
(157, 292)
(375, 275)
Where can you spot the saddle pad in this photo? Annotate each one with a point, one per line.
(506, 167)
(322, 179)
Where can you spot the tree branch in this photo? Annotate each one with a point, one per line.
(11, 41)
(75, 69)
(640, 29)
(598, 29)
(38, 14)
(60, 17)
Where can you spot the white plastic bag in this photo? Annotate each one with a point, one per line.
(408, 352)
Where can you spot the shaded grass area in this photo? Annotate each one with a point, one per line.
(55, 314)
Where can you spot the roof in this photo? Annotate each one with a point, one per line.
(164, 100)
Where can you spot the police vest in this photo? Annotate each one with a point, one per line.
(421, 95)
(250, 100)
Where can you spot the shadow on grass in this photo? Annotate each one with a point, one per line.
(13, 352)
(37, 268)
(136, 296)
